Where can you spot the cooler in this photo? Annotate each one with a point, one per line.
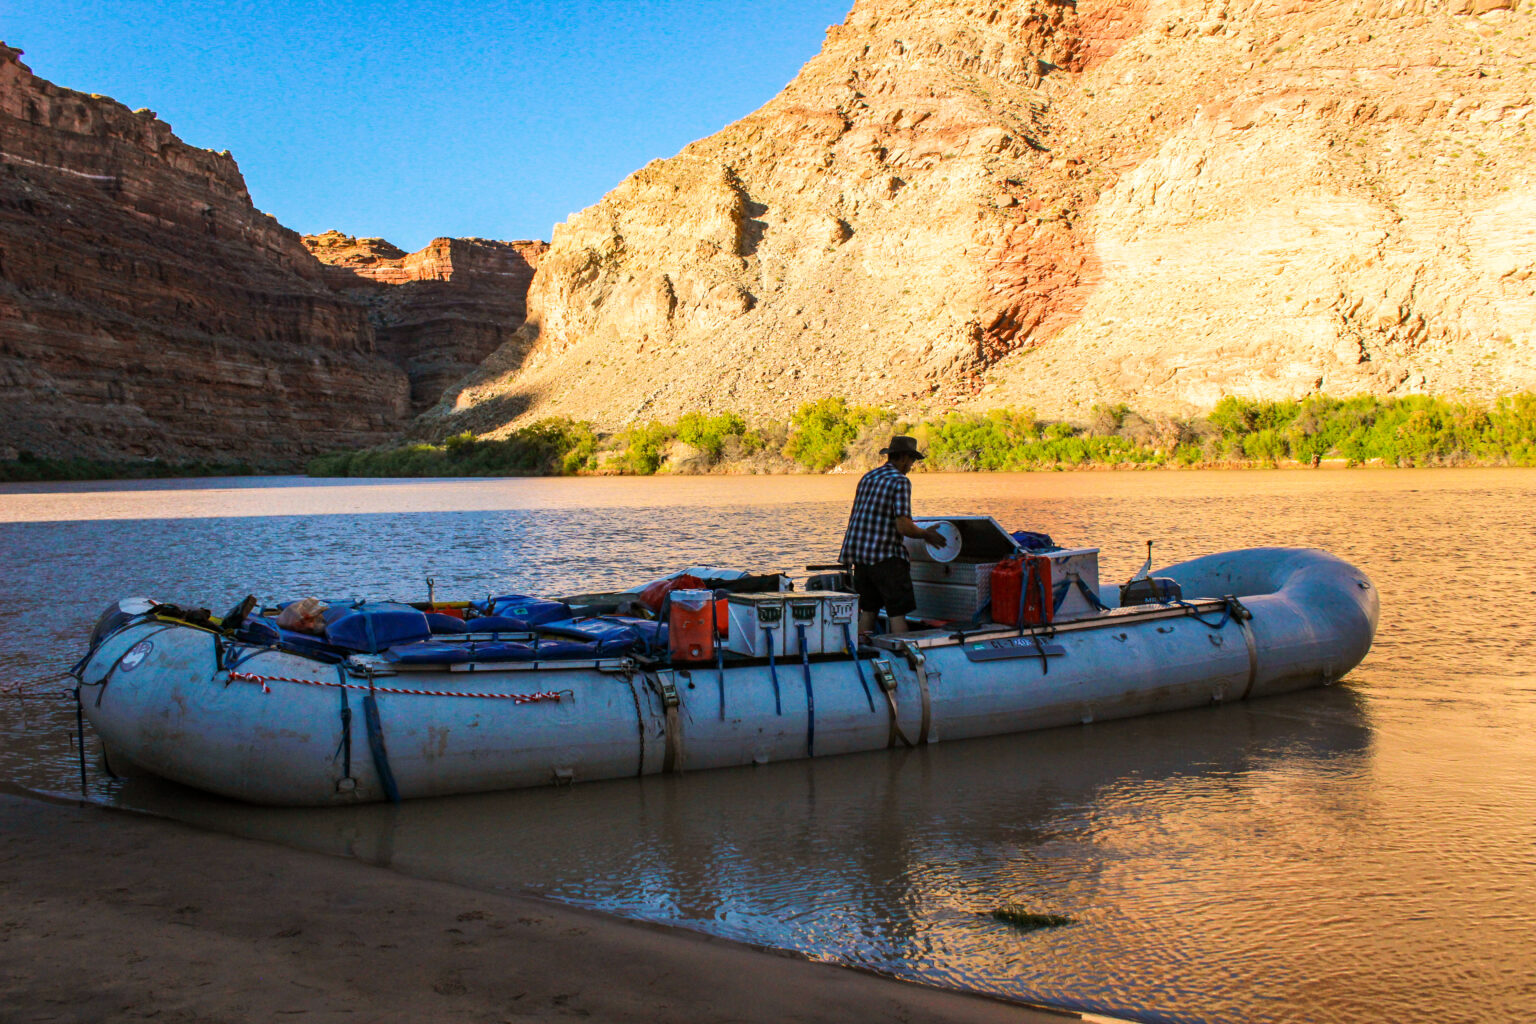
(823, 613)
(751, 617)
(1068, 566)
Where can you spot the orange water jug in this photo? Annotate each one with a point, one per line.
(692, 625)
(1031, 575)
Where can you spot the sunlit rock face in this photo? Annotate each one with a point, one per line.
(437, 312)
(147, 309)
(986, 202)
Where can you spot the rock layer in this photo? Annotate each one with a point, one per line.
(437, 312)
(990, 202)
(148, 309)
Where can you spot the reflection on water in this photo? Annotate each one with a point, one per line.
(1360, 853)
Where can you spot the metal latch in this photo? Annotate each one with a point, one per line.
(803, 611)
(885, 675)
(667, 688)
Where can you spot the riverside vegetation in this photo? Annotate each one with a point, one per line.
(831, 433)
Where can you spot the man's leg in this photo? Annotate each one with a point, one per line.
(895, 576)
(867, 621)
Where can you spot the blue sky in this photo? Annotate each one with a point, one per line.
(415, 120)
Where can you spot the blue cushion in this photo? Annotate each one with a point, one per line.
(653, 632)
(441, 624)
(437, 652)
(258, 629)
(607, 637)
(496, 624)
(429, 652)
(375, 626)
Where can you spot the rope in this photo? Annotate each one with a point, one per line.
(516, 698)
(80, 741)
(32, 687)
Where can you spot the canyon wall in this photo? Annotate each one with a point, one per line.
(437, 312)
(978, 202)
(148, 310)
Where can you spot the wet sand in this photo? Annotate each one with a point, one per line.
(107, 916)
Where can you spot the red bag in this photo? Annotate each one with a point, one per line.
(1032, 573)
(654, 593)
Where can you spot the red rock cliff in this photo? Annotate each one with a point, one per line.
(437, 312)
(148, 309)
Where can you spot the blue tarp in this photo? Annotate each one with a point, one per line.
(532, 611)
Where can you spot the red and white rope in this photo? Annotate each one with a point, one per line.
(516, 698)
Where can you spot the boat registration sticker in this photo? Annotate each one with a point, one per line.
(1012, 647)
(136, 655)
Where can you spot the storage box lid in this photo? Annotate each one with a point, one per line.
(982, 539)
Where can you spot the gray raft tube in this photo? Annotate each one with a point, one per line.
(1306, 618)
(1319, 613)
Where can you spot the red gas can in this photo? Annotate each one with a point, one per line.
(691, 625)
(1030, 574)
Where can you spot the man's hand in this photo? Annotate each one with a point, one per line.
(933, 536)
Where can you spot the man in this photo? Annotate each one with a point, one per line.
(881, 516)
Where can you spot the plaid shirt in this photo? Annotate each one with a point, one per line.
(883, 495)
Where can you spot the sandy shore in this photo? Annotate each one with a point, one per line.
(106, 916)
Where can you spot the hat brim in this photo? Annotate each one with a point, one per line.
(904, 451)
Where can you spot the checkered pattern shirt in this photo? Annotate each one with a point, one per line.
(883, 495)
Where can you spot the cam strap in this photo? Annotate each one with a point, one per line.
(885, 675)
(1236, 609)
(665, 685)
(919, 664)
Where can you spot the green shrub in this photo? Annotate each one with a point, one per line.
(821, 431)
(645, 447)
(709, 433)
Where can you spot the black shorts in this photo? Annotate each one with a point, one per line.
(885, 584)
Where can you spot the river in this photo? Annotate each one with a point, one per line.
(1363, 853)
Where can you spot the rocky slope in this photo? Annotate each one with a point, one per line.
(988, 201)
(437, 312)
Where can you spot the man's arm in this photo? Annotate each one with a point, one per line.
(907, 528)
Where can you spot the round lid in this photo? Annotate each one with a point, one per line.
(951, 546)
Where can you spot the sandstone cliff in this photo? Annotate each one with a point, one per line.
(988, 202)
(148, 309)
(437, 312)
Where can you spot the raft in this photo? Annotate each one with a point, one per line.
(261, 719)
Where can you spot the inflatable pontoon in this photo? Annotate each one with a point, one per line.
(386, 707)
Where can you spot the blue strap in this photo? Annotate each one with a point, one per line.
(1063, 588)
(662, 614)
(773, 672)
(854, 653)
(714, 629)
(376, 747)
(810, 696)
(1189, 609)
(344, 747)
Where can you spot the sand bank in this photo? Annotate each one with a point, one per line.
(106, 916)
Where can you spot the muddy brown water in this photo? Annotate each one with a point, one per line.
(1359, 853)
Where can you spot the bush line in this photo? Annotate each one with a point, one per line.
(1418, 430)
